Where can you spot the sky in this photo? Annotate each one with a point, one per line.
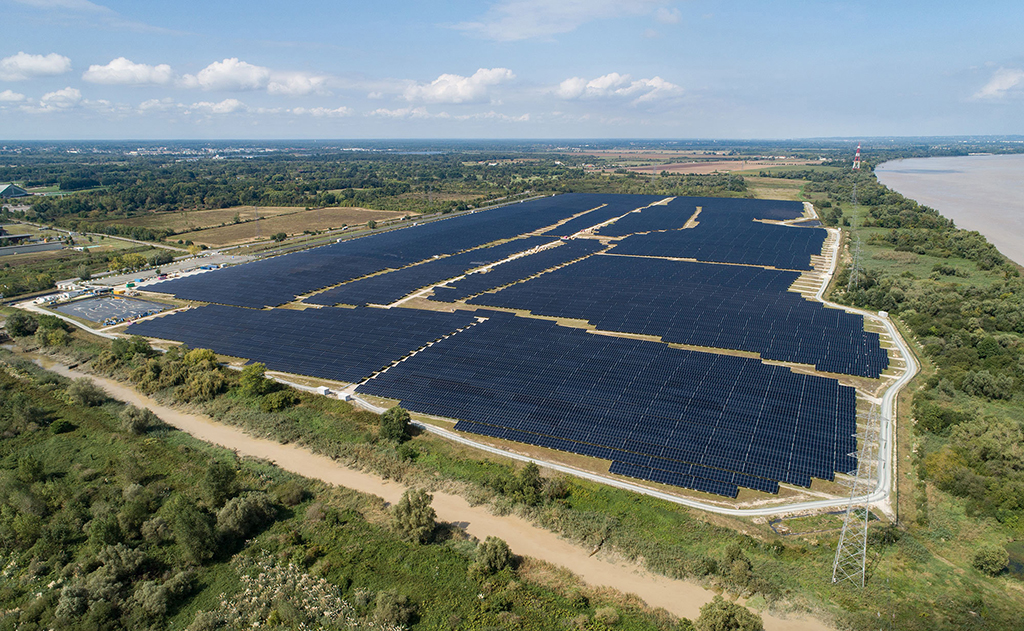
(320, 69)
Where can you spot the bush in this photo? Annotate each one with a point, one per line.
(138, 420)
(722, 615)
(413, 516)
(192, 530)
(246, 514)
(21, 324)
(492, 556)
(83, 391)
(252, 380)
(279, 236)
(62, 426)
(394, 425)
(277, 401)
(217, 483)
(393, 608)
(607, 616)
(991, 559)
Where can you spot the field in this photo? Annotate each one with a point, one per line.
(716, 166)
(189, 220)
(292, 223)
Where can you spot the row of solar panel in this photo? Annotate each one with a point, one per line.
(715, 213)
(280, 279)
(516, 270)
(338, 344)
(480, 376)
(385, 289)
(700, 304)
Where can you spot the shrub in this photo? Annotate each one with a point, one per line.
(291, 493)
(62, 426)
(279, 236)
(246, 514)
(393, 608)
(21, 324)
(277, 401)
(394, 425)
(83, 391)
(991, 559)
(723, 615)
(138, 420)
(413, 516)
(607, 616)
(492, 556)
(217, 483)
(192, 530)
(151, 597)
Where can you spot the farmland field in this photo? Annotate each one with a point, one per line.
(189, 220)
(291, 223)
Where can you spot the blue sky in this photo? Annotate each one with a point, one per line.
(509, 69)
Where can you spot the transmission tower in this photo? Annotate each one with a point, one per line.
(856, 159)
(852, 552)
(854, 265)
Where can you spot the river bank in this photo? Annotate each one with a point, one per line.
(982, 193)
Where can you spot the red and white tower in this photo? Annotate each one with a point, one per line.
(856, 159)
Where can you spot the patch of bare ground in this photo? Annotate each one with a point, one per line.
(715, 166)
(290, 224)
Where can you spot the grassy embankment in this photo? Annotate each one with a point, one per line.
(108, 524)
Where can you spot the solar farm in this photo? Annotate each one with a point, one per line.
(673, 340)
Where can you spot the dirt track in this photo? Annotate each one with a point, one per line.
(681, 598)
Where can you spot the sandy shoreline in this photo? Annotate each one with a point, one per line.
(679, 597)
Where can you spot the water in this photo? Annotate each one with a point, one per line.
(983, 193)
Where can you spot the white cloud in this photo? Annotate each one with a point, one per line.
(297, 84)
(668, 15)
(230, 74)
(492, 115)
(24, 66)
(513, 20)
(617, 85)
(7, 96)
(56, 101)
(1002, 82)
(453, 88)
(406, 112)
(227, 106)
(125, 72)
(159, 105)
(322, 112)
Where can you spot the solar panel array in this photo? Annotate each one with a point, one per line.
(277, 280)
(516, 270)
(726, 232)
(385, 289)
(699, 420)
(701, 304)
(338, 344)
(613, 206)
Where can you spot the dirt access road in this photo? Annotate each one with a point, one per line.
(681, 598)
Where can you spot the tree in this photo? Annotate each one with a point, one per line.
(82, 272)
(192, 529)
(218, 483)
(723, 615)
(394, 425)
(492, 556)
(991, 559)
(279, 236)
(21, 324)
(83, 391)
(253, 381)
(413, 516)
(163, 257)
(371, 224)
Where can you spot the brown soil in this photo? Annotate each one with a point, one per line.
(292, 223)
(721, 166)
